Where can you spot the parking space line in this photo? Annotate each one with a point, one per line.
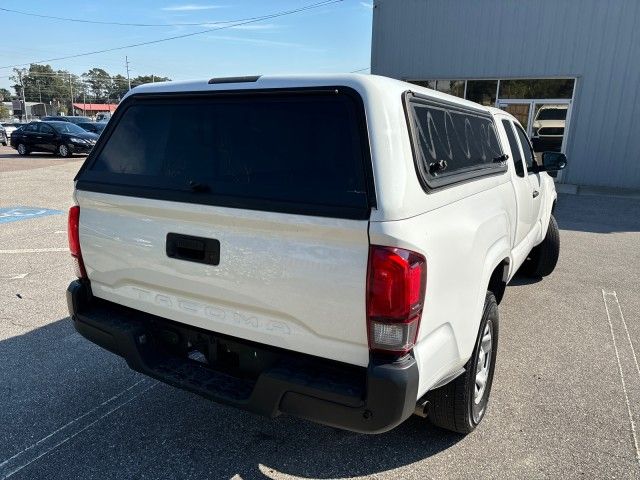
(626, 329)
(34, 250)
(613, 295)
(42, 447)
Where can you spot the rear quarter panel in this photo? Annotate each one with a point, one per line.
(463, 239)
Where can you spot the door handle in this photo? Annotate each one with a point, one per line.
(193, 249)
(535, 193)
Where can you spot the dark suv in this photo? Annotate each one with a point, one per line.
(72, 119)
(62, 138)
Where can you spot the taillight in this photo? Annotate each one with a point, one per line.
(396, 287)
(74, 241)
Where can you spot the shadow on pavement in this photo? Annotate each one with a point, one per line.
(57, 386)
(598, 214)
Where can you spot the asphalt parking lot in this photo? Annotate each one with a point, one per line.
(565, 401)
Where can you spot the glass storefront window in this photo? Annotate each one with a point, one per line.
(537, 88)
(482, 91)
(424, 83)
(452, 87)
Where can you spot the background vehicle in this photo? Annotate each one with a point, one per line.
(62, 138)
(11, 127)
(548, 128)
(4, 139)
(93, 127)
(70, 118)
(103, 117)
(331, 247)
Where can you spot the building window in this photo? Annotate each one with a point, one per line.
(424, 83)
(452, 87)
(482, 91)
(537, 88)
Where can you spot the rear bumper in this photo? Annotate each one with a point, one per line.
(368, 400)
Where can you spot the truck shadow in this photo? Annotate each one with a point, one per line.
(69, 409)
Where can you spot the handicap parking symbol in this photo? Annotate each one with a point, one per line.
(14, 214)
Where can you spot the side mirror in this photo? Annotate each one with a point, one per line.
(553, 161)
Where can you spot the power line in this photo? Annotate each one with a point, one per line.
(124, 24)
(360, 70)
(175, 37)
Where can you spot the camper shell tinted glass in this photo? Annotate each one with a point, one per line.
(452, 143)
(297, 151)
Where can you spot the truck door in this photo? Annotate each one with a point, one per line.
(532, 177)
(523, 190)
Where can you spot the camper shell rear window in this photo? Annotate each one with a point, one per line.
(302, 151)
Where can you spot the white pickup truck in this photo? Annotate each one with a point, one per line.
(330, 247)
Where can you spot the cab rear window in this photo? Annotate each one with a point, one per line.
(297, 152)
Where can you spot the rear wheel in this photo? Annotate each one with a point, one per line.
(544, 257)
(22, 149)
(461, 404)
(64, 151)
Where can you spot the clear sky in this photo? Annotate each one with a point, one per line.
(331, 38)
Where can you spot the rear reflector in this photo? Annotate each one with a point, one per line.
(395, 298)
(73, 230)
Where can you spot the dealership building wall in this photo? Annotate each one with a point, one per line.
(595, 42)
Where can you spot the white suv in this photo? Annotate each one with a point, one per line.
(329, 247)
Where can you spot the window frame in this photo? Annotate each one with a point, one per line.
(280, 206)
(519, 127)
(507, 123)
(428, 182)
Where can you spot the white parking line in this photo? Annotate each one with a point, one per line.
(26, 457)
(614, 298)
(35, 250)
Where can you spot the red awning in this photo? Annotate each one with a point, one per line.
(95, 107)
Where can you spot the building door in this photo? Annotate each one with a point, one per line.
(546, 122)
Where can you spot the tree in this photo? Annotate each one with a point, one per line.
(5, 113)
(119, 88)
(5, 95)
(100, 83)
(148, 79)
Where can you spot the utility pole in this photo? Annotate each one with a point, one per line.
(40, 95)
(73, 112)
(126, 61)
(24, 100)
(153, 78)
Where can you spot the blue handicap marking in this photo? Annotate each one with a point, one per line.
(13, 214)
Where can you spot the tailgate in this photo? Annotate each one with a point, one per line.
(284, 207)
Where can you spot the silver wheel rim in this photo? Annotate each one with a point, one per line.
(484, 363)
(63, 150)
(21, 149)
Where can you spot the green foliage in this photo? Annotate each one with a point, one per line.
(5, 113)
(5, 95)
(55, 87)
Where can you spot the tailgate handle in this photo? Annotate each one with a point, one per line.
(193, 249)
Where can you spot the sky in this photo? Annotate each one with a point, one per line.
(330, 38)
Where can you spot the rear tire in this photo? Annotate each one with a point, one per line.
(64, 151)
(22, 149)
(544, 257)
(461, 404)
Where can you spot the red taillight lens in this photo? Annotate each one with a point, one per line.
(396, 287)
(73, 230)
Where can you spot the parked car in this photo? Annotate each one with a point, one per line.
(11, 127)
(62, 138)
(70, 118)
(103, 117)
(548, 128)
(4, 139)
(93, 127)
(330, 247)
